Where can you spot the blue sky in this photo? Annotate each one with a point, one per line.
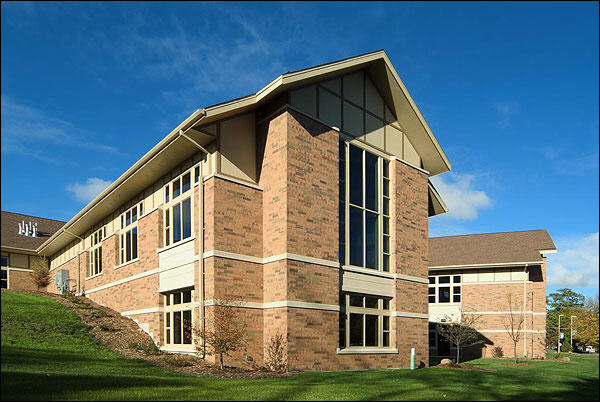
(509, 89)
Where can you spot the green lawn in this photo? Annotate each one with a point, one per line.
(48, 354)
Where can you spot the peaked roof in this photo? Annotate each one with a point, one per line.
(175, 147)
(10, 231)
(490, 249)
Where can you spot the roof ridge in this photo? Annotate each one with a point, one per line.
(491, 233)
(33, 216)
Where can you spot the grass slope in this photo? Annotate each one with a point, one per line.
(47, 353)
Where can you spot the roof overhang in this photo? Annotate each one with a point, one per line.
(437, 205)
(174, 147)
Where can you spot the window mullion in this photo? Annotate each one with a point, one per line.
(364, 206)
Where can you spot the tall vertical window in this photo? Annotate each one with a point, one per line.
(95, 267)
(128, 239)
(4, 271)
(178, 307)
(445, 289)
(177, 216)
(364, 208)
(365, 321)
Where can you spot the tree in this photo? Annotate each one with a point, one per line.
(224, 330)
(513, 323)
(563, 299)
(587, 322)
(460, 332)
(40, 272)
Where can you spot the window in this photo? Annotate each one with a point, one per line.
(178, 322)
(178, 210)
(128, 239)
(364, 209)
(364, 321)
(444, 289)
(4, 272)
(95, 267)
(4, 260)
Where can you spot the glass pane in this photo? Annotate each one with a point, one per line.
(186, 217)
(444, 295)
(456, 290)
(134, 214)
(372, 243)
(456, 279)
(386, 169)
(356, 237)
(177, 298)
(431, 290)
(386, 339)
(4, 262)
(128, 246)
(134, 251)
(444, 279)
(342, 233)
(100, 259)
(386, 188)
(432, 280)
(141, 205)
(386, 206)
(187, 327)
(432, 339)
(176, 188)
(196, 174)
(177, 327)
(356, 301)
(456, 298)
(371, 302)
(342, 330)
(176, 223)
(168, 336)
(371, 330)
(371, 181)
(187, 296)
(185, 182)
(167, 299)
(127, 218)
(167, 193)
(168, 320)
(386, 244)
(167, 237)
(386, 323)
(386, 304)
(386, 263)
(356, 330)
(356, 176)
(431, 299)
(122, 222)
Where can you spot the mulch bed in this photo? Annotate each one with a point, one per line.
(462, 367)
(125, 337)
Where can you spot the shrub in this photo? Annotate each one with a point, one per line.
(275, 354)
(497, 352)
(148, 348)
(566, 347)
(40, 272)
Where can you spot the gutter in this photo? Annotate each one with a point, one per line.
(191, 121)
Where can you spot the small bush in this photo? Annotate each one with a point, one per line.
(40, 272)
(98, 314)
(275, 354)
(566, 347)
(107, 327)
(177, 360)
(497, 352)
(148, 348)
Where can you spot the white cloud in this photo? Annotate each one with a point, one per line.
(28, 131)
(576, 262)
(87, 191)
(505, 111)
(462, 199)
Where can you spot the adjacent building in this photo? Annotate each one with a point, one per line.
(21, 236)
(493, 276)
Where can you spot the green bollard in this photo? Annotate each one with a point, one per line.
(412, 358)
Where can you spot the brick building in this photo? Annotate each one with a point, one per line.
(21, 235)
(475, 274)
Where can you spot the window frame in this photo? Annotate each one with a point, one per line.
(170, 203)
(95, 252)
(451, 285)
(169, 310)
(127, 228)
(381, 312)
(4, 268)
(383, 202)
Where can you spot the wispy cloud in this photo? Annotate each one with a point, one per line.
(576, 262)
(85, 192)
(463, 200)
(505, 112)
(571, 164)
(27, 131)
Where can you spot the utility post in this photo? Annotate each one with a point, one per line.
(573, 316)
(558, 343)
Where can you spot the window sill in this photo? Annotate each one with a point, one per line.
(93, 276)
(179, 243)
(362, 351)
(369, 271)
(127, 263)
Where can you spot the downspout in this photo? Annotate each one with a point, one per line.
(78, 261)
(201, 240)
(525, 313)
